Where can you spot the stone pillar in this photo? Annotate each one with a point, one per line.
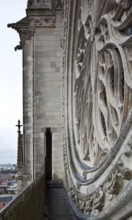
(57, 157)
(28, 107)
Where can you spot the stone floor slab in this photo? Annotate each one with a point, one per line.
(57, 203)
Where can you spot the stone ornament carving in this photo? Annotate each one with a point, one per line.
(26, 26)
(25, 32)
(101, 84)
(47, 21)
(101, 100)
(24, 35)
(30, 2)
(100, 109)
(59, 4)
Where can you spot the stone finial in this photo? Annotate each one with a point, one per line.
(20, 146)
(19, 127)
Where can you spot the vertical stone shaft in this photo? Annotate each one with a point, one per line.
(28, 105)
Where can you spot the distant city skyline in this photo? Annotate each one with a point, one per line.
(10, 79)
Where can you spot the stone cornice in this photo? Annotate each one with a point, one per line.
(34, 19)
(44, 21)
(39, 14)
(24, 30)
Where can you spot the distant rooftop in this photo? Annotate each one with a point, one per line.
(5, 198)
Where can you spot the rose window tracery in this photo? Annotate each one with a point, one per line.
(98, 151)
(101, 85)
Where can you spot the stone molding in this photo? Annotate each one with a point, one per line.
(39, 14)
(48, 4)
(47, 21)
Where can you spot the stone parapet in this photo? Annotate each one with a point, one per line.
(29, 204)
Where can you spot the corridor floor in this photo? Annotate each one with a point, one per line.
(57, 203)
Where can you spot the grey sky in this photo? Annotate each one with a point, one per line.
(10, 79)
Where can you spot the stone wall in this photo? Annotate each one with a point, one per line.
(41, 34)
(29, 204)
(48, 57)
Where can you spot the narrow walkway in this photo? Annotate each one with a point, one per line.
(57, 203)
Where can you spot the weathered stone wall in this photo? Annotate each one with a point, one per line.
(28, 106)
(41, 39)
(28, 205)
(48, 57)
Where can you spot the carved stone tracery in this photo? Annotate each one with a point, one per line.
(100, 119)
(100, 95)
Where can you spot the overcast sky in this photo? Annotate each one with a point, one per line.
(10, 79)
